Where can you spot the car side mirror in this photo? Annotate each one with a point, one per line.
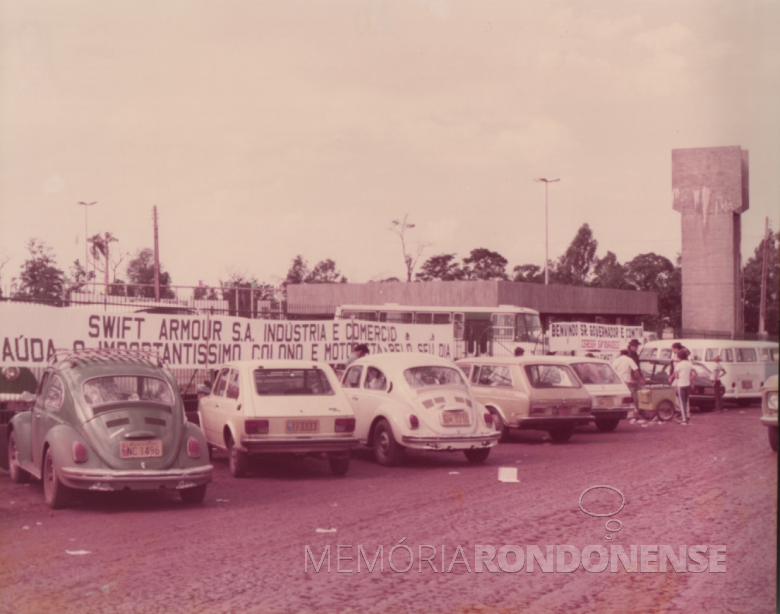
(27, 396)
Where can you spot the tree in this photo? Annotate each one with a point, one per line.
(609, 273)
(140, 273)
(205, 293)
(401, 228)
(323, 273)
(241, 292)
(574, 266)
(654, 273)
(440, 268)
(484, 264)
(752, 273)
(40, 281)
(528, 273)
(79, 276)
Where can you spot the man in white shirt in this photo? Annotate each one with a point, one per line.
(628, 372)
(683, 376)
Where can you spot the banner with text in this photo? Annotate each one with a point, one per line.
(602, 340)
(31, 333)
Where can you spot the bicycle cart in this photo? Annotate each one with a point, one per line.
(656, 400)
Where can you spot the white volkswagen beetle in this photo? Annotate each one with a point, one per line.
(416, 401)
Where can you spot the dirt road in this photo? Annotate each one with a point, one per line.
(244, 550)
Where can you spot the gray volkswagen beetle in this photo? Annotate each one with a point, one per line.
(107, 420)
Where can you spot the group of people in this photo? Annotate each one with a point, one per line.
(682, 374)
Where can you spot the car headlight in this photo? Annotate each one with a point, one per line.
(771, 402)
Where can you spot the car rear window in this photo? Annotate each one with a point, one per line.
(551, 376)
(277, 382)
(119, 388)
(422, 377)
(595, 373)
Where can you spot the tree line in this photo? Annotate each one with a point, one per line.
(41, 281)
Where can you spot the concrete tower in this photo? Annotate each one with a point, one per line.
(710, 190)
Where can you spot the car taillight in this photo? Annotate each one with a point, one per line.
(345, 425)
(256, 427)
(628, 400)
(193, 448)
(79, 452)
(488, 418)
(414, 422)
(733, 384)
(537, 410)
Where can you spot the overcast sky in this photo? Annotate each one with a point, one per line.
(262, 129)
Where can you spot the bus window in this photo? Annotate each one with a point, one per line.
(710, 354)
(528, 327)
(726, 356)
(745, 354)
(359, 315)
(397, 317)
(457, 326)
(695, 354)
(441, 318)
(423, 318)
(503, 326)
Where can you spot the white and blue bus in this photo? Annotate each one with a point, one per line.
(477, 331)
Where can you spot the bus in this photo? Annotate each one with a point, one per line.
(477, 331)
(748, 364)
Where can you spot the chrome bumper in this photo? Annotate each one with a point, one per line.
(300, 444)
(76, 474)
(446, 440)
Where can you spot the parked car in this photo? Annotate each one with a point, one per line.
(769, 409)
(657, 372)
(530, 393)
(106, 419)
(611, 398)
(416, 401)
(262, 407)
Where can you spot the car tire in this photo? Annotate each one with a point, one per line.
(339, 463)
(773, 438)
(196, 494)
(55, 492)
(607, 425)
(500, 425)
(665, 410)
(477, 455)
(561, 435)
(238, 461)
(18, 475)
(387, 451)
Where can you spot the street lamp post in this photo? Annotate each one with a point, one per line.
(86, 236)
(546, 231)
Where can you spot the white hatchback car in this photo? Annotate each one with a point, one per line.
(277, 406)
(612, 399)
(416, 401)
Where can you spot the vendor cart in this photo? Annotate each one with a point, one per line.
(656, 400)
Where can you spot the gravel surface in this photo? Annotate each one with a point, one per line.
(243, 549)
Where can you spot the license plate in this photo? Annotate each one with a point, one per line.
(561, 411)
(141, 449)
(303, 426)
(455, 418)
(709, 391)
(606, 402)
(747, 384)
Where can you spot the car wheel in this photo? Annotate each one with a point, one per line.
(196, 494)
(18, 475)
(607, 425)
(477, 455)
(386, 450)
(500, 425)
(54, 491)
(773, 438)
(237, 460)
(561, 435)
(339, 463)
(665, 411)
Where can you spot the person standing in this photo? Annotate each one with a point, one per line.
(519, 351)
(717, 372)
(633, 346)
(684, 374)
(676, 347)
(629, 373)
(358, 351)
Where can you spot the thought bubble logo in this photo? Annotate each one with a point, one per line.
(606, 526)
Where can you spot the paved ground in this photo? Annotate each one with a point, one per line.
(243, 550)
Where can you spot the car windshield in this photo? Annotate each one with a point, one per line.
(551, 376)
(421, 377)
(595, 373)
(277, 382)
(122, 388)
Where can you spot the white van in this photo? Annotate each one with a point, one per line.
(748, 364)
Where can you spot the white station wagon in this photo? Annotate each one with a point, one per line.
(416, 401)
(277, 406)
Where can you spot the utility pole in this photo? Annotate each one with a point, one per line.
(546, 233)
(762, 308)
(86, 236)
(156, 260)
